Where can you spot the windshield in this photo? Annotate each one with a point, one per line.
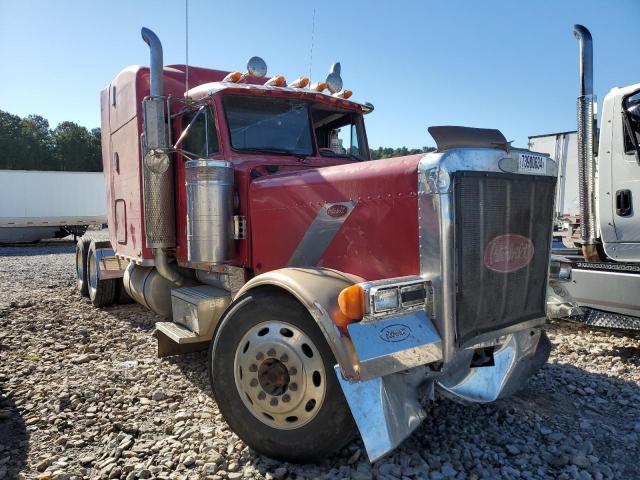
(338, 133)
(268, 124)
(631, 105)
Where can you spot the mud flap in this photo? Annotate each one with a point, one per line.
(385, 409)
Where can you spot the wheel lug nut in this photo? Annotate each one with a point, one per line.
(271, 352)
(262, 396)
(293, 387)
(259, 356)
(274, 402)
(253, 367)
(286, 398)
(284, 358)
(293, 371)
(253, 382)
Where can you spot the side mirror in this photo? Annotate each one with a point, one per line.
(256, 67)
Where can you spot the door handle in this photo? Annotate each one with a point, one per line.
(623, 203)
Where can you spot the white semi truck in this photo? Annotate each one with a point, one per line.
(599, 200)
(563, 148)
(36, 204)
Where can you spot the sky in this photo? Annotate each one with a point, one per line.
(506, 64)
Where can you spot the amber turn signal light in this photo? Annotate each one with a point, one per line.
(351, 302)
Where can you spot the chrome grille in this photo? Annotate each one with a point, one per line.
(502, 237)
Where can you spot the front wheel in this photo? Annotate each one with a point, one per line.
(272, 377)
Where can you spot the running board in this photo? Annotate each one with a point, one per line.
(174, 339)
(601, 319)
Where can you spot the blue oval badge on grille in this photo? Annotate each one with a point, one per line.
(395, 333)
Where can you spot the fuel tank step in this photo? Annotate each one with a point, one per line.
(174, 339)
(177, 333)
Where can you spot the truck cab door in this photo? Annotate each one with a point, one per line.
(623, 196)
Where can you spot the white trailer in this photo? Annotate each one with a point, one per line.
(37, 204)
(563, 148)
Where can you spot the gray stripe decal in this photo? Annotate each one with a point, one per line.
(319, 236)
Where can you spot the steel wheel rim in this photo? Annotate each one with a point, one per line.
(92, 274)
(280, 375)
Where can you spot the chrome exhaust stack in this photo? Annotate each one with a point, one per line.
(587, 167)
(158, 181)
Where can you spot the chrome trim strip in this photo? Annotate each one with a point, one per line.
(319, 235)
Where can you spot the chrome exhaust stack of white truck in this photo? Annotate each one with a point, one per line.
(586, 151)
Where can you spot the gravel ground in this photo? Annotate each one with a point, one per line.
(82, 395)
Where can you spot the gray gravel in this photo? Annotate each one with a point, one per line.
(82, 395)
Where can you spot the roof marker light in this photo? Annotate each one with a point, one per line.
(233, 77)
(343, 94)
(276, 81)
(318, 87)
(299, 82)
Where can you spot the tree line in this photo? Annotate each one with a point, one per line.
(30, 144)
(388, 152)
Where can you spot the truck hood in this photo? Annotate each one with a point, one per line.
(359, 218)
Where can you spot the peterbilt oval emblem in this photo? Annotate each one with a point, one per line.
(508, 253)
(337, 210)
(395, 333)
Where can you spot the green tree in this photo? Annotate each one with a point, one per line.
(37, 152)
(10, 140)
(30, 144)
(75, 148)
(387, 152)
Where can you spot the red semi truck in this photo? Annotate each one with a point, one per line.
(368, 285)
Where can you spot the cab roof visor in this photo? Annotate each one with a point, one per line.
(448, 137)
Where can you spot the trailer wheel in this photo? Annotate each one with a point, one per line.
(101, 292)
(272, 376)
(82, 249)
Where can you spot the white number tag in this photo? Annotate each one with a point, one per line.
(532, 164)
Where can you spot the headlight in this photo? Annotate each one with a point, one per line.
(385, 299)
(413, 294)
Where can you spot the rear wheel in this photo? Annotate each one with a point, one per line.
(101, 292)
(273, 379)
(82, 249)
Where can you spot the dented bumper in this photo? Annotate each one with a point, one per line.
(401, 365)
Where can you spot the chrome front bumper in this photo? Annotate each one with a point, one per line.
(387, 407)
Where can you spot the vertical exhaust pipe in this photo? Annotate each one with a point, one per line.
(586, 157)
(156, 63)
(158, 181)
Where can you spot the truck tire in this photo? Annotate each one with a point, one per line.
(122, 297)
(82, 249)
(101, 292)
(272, 376)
